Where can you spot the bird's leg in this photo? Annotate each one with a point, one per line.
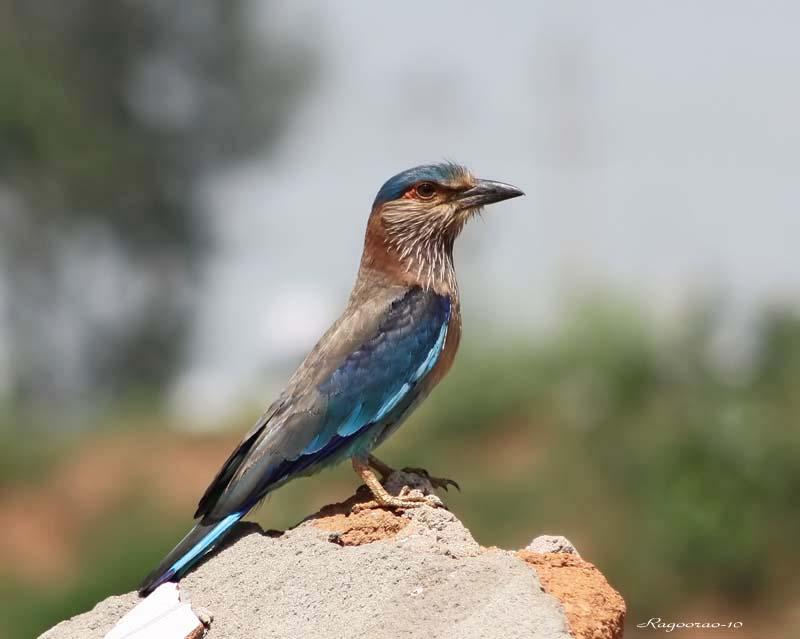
(385, 470)
(382, 498)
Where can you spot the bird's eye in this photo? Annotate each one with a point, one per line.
(425, 190)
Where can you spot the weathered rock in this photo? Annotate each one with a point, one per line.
(552, 543)
(373, 573)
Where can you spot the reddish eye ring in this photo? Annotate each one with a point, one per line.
(425, 190)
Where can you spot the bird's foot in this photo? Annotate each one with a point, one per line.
(406, 499)
(436, 482)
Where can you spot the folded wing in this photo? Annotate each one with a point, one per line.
(331, 407)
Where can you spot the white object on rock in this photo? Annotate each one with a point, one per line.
(162, 615)
(552, 543)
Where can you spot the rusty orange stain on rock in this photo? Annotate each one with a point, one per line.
(355, 529)
(593, 608)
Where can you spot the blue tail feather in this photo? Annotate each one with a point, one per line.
(200, 540)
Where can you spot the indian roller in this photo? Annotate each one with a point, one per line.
(395, 340)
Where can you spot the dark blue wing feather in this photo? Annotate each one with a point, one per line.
(315, 426)
(376, 378)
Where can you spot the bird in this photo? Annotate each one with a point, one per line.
(395, 340)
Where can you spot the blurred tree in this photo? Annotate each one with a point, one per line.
(111, 115)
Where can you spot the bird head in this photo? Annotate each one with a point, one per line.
(417, 216)
(430, 204)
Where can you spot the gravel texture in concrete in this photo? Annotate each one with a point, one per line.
(425, 578)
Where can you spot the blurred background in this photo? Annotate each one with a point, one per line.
(183, 193)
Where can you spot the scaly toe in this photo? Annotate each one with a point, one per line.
(434, 502)
(404, 501)
(365, 505)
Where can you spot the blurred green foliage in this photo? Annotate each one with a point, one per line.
(112, 116)
(678, 479)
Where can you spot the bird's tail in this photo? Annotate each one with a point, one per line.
(202, 538)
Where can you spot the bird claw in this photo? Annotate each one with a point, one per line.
(406, 497)
(436, 482)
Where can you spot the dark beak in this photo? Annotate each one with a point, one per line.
(487, 192)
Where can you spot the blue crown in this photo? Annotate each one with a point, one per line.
(398, 184)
